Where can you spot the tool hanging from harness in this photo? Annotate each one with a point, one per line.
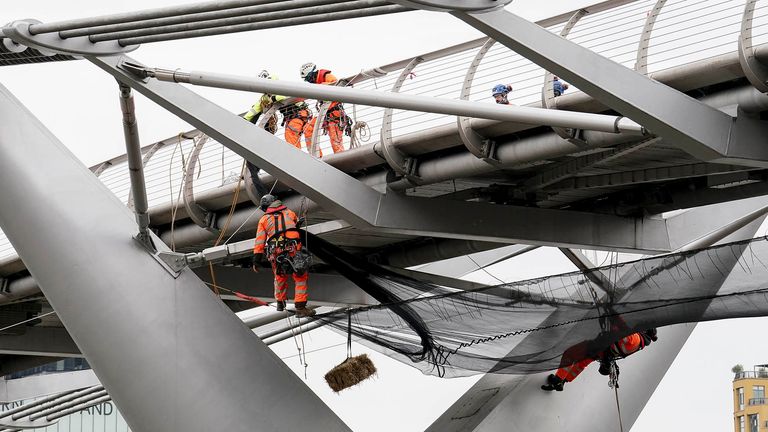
(285, 251)
(336, 114)
(297, 110)
(265, 103)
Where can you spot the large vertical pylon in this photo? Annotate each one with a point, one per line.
(172, 356)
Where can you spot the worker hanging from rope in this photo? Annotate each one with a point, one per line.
(279, 240)
(336, 122)
(624, 347)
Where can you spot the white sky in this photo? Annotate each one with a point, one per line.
(79, 104)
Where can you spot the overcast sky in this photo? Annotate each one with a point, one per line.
(79, 104)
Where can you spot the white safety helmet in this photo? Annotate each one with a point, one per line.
(265, 74)
(306, 69)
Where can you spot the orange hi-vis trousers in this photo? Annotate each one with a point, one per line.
(281, 286)
(298, 126)
(335, 133)
(569, 373)
(625, 347)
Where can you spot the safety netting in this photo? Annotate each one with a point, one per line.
(540, 324)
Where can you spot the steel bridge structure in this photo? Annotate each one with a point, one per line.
(658, 146)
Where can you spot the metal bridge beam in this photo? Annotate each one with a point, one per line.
(156, 338)
(365, 208)
(40, 341)
(700, 130)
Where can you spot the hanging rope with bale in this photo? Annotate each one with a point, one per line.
(351, 371)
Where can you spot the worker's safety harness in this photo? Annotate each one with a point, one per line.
(286, 254)
(297, 110)
(336, 114)
(265, 103)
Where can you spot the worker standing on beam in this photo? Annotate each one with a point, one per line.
(296, 117)
(278, 238)
(336, 121)
(299, 120)
(624, 347)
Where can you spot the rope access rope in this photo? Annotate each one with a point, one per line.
(618, 408)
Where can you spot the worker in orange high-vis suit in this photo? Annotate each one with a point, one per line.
(624, 347)
(336, 121)
(299, 120)
(278, 239)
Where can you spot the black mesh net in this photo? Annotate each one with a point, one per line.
(540, 324)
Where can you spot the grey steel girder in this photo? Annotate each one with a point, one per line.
(628, 178)
(156, 340)
(365, 208)
(572, 167)
(40, 341)
(702, 131)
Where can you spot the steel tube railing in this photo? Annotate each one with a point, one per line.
(72, 403)
(57, 415)
(31, 410)
(36, 403)
(382, 10)
(312, 9)
(533, 116)
(197, 17)
(145, 15)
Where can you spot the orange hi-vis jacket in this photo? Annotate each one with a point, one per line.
(628, 345)
(278, 218)
(324, 76)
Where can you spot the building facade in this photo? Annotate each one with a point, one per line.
(22, 388)
(750, 410)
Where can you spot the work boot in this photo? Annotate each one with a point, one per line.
(302, 311)
(280, 305)
(553, 383)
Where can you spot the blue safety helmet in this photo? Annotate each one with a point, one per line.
(500, 89)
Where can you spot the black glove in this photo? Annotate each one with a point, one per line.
(257, 259)
(300, 222)
(653, 334)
